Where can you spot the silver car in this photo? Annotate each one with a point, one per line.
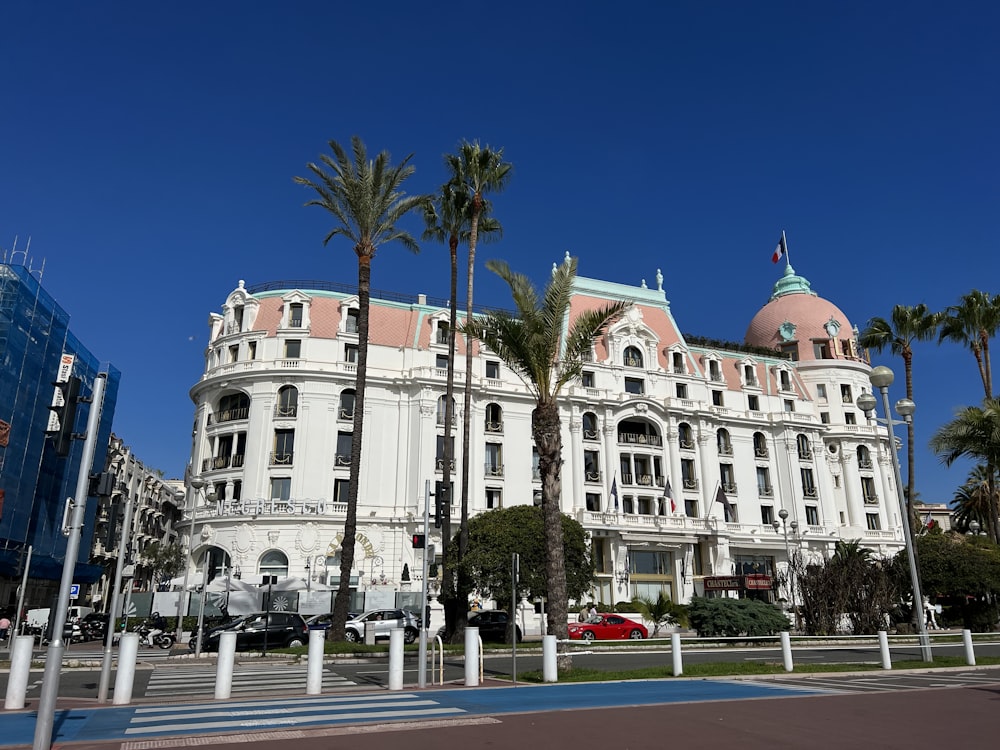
(384, 621)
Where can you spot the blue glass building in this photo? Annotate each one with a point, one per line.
(34, 480)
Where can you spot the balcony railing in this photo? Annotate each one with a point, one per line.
(281, 459)
(283, 411)
(216, 462)
(725, 450)
(636, 438)
(494, 426)
(238, 460)
(729, 488)
(765, 490)
(690, 484)
(760, 452)
(345, 413)
(864, 463)
(494, 470)
(715, 377)
(809, 491)
(439, 465)
(536, 474)
(590, 476)
(687, 445)
(230, 415)
(871, 499)
(805, 454)
(342, 459)
(590, 435)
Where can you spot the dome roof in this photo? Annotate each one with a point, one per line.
(796, 315)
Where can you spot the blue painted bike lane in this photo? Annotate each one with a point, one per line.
(220, 717)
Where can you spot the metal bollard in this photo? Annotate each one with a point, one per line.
(396, 659)
(20, 669)
(472, 657)
(970, 654)
(550, 664)
(883, 647)
(786, 650)
(128, 649)
(224, 666)
(314, 668)
(675, 650)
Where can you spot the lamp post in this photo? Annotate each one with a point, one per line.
(195, 484)
(881, 377)
(622, 575)
(784, 526)
(974, 528)
(308, 576)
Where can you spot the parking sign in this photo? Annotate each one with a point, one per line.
(74, 590)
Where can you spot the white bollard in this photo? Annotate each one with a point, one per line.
(786, 650)
(883, 647)
(550, 663)
(224, 666)
(314, 668)
(472, 657)
(396, 659)
(369, 633)
(970, 653)
(128, 649)
(675, 649)
(20, 668)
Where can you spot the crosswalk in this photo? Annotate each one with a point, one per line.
(199, 679)
(96, 654)
(888, 682)
(254, 715)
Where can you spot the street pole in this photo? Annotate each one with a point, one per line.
(109, 633)
(201, 611)
(20, 599)
(424, 635)
(53, 658)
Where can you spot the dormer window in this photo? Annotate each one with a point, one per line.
(714, 370)
(351, 324)
(441, 336)
(295, 315)
(750, 376)
(632, 357)
(784, 380)
(677, 360)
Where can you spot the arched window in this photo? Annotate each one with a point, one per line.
(684, 437)
(274, 563)
(442, 403)
(217, 560)
(633, 357)
(805, 450)
(346, 404)
(288, 402)
(759, 445)
(724, 443)
(590, 426)
(864, 458)
(233, 406)
(494, 418)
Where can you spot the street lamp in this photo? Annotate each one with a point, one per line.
(308, 576)
(195, 484)
(784, 526)
(974, 528)
(622, 574)
(881, 377)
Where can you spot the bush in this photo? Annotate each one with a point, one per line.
(735, 617)
(626, 607)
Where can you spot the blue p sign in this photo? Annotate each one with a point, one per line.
(74, 590)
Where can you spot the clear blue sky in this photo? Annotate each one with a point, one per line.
(148, 151)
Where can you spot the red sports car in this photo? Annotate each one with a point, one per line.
(608, 627)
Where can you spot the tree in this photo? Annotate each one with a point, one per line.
(533, 346)
(907, 325)
(975, 433)
(494, 536)
(964, 570)
(164, 561)
(448, 219)
(475, 171)
(367, 203)
(972, 323)
(972, 501)
(661, 612)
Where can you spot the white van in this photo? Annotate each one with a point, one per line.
(38, 618)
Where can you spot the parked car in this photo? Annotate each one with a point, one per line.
(283, 629)
(608, 627)
(384, 621)
(326, 620)
(492, 624)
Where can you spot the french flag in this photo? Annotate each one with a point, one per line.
(780, 251)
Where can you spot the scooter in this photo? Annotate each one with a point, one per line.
(148, 638)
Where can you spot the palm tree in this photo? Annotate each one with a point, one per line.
(448, 218)
(661, 612)
(908, 325)
(973, 322)
(533, 346)
(477, 171)
(972, 500)
(364, 197)
(975, 433)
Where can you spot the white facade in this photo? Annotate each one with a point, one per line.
(273, 417)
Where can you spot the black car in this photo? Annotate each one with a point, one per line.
(326, 620)
(492, 624)
(282, 629)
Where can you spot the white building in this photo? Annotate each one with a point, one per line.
(668, 422)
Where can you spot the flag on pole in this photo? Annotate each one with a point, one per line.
(614, 492)
(670, 496)
(780, 251)
(928, 520)
(720, 497)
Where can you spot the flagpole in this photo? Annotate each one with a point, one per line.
(784, 242)
(715, 494)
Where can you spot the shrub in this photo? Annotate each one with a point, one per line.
(626, 607)
(735, 617)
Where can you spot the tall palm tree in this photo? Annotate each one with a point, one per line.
(975, 433)
(448, 219)
(906, 326)
(365, 198)
(478, 170)
(533, 346)
(973, 322)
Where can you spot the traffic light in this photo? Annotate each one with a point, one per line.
(419, 541)
(64, 400)
(442, 506)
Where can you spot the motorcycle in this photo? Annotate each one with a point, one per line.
(149, 637)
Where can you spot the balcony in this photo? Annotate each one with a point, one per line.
(217, 462)
(494, 470)
(715, 377)
(864, 463)
(590, 476)
(805, 454)
(760, 453)
(342, 459)
(636, 438)
(729, 488)
(286, 411)
(238, 461)
(687, 445)
(871, 499)
(439, 465)
(494, 426)
(689, 483)
(725, 450)
(281, 459)
(809, 492)
(765, 490)
(230, 415)
(345, 413)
